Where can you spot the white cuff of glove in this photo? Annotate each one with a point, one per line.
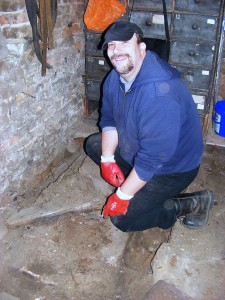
(107, 159)
(122, 195)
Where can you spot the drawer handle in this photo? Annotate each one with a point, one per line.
(192, 53)
(148, 23)
(190, 73)
(194, 26)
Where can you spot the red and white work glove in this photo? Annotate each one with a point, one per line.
(116, 204)
(111, 172)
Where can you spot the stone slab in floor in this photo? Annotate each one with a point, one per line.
(162, 290)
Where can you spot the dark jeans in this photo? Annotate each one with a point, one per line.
(147, 209)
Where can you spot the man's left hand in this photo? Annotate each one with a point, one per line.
(115, 206)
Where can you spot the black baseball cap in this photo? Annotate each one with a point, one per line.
(121, 31)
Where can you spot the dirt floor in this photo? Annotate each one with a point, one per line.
(58, 246)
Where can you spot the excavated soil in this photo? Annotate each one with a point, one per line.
(77, 254)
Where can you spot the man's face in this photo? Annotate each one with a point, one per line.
(126, 56)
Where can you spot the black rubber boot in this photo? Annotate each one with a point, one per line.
(195, 208)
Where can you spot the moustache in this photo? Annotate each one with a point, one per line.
(115, 56)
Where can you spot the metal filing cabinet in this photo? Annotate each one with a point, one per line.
(195, 29)
(194, 47)
(96, 68)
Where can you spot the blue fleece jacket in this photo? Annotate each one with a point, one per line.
(156, 120)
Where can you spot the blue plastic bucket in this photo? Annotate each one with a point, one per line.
(219, 118)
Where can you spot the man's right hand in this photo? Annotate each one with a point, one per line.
(112, 173)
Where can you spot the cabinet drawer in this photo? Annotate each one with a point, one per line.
(93, 89)
(93, 44)
(147, 5)
(190, 53)
(200, 100)
(90, 106)
(210, 7)
(152, 24)
(96, 66)
(195, 78)
(195, 27)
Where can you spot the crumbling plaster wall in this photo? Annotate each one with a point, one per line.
(37, 114)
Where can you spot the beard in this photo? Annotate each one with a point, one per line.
(124, 69)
